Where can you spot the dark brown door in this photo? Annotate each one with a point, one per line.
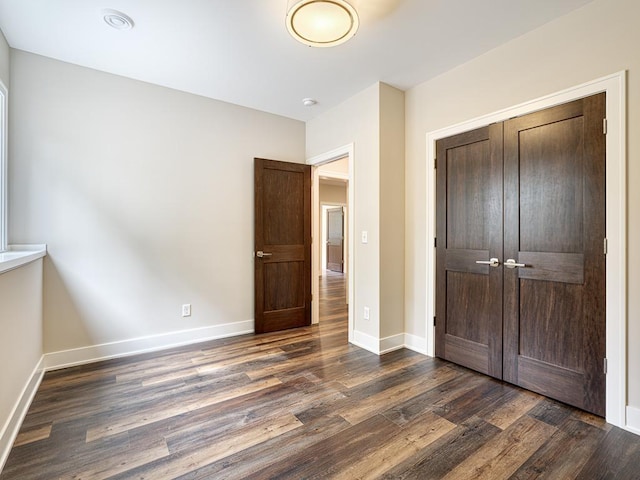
(555, 225)
(541, 310)
(335, 239)
(282, 245)
(469, 230)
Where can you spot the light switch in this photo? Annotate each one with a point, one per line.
(365, 236)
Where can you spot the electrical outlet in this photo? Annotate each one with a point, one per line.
(366, 313)
(186, 310)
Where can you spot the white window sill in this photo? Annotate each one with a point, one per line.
(19, 255)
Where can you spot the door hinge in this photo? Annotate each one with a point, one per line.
(606, 246)
(435, 242)
(434, 321)
(435, 162)
(604, 126)
(605, 366)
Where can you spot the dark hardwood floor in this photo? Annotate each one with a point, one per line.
(305, 404)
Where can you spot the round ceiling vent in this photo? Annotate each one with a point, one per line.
(117, 20)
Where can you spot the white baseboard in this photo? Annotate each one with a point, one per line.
(366, 341)
(416, 343)
(389, 344)
(11, 427)
(105, 351)
(633, 420)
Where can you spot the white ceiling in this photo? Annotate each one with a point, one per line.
(239, 51)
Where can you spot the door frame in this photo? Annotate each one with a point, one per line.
(616, 227)
(328, 157)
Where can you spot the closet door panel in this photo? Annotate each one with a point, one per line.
(469, 229)
(554, 320)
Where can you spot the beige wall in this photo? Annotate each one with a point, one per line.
(373, 121)
(338, 167)
(21, 339)
(356, 121)
(334, 194)
(596, 40)
(392, 153)
(144, 196)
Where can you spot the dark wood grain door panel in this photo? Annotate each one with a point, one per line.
(469, 229)
(554, 308)
(283, 232)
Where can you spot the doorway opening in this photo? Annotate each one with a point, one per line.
(332, 191)
(332, 251)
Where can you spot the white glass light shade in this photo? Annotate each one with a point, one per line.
(322, 23)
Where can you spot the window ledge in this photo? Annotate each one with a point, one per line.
(19, 255)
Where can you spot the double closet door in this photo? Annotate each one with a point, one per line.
(520, 260)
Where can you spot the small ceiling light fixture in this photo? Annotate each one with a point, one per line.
(309, 102)
(117, 20)
(322, 23)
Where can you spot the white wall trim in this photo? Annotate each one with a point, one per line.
(4, 172)
(335, 154)
(633, 420)
(415, 343)
(331, 155)
(366, 341)
(389, 344)
(616, 174)
(152, 343)
(337, 175)
(12, 426)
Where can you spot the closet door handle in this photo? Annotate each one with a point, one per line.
(261, 254)
(511, 263)
(492, 262)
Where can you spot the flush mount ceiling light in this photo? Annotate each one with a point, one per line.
(322, 23)
(117, 20)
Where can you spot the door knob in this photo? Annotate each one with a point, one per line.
(492, 262)
(511, 263)
(261, 254)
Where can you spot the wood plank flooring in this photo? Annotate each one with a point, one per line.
(305, 404)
